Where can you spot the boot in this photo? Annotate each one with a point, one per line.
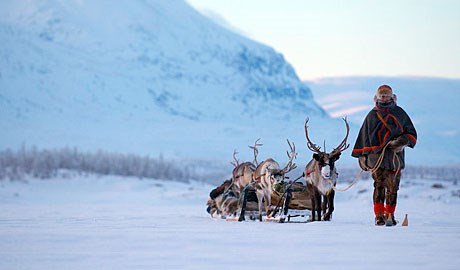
(379, 210)
(390, 219)
(379, 220)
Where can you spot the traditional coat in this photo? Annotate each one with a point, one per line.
(380, 127)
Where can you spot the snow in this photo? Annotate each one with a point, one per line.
(125, 223)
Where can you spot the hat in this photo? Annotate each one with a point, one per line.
(384, 91)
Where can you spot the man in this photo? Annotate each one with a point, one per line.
(385, 132)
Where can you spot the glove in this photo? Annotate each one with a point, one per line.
(398, 144)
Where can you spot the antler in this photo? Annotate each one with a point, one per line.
(237, 162)
(343, 145)
(256, 151)
(313, 147)
(291, 155)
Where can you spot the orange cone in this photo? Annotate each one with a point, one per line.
(405, 221)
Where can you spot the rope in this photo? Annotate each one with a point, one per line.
(349, 186)
(381, 157)
(373, 170)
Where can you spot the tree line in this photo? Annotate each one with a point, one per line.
(42, 163)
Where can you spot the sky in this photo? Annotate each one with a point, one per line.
(350, 38)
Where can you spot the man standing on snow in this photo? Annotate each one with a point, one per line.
(385, 132)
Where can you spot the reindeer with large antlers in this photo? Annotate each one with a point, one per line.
(268, 173)
(321, 175)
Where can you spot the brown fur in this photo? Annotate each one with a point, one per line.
(242, 174)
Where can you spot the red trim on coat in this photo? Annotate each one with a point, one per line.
(372, 148)
(396, 120)
(412, 138)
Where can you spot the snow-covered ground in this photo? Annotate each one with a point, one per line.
(125, 223)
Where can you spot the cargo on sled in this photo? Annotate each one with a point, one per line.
(290, 202)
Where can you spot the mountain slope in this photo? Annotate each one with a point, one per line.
(142, 76)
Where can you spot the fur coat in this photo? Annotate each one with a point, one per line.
(380, 126)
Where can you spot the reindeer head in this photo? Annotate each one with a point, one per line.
(326, 164)
(277, 174)
(326, 161)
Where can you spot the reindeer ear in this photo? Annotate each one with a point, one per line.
(316, 156)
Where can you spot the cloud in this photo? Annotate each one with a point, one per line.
(350, 111)
(448, 133)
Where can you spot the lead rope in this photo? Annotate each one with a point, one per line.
(376, 167)
(349, 186)
(373, 170)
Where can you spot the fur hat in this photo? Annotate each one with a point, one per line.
(384, 91)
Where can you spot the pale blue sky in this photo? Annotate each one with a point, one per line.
(354, 37)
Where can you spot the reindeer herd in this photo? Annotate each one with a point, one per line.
(251, 186)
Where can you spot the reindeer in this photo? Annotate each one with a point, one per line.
(225, 199)
(321, 175)
(268, 173)
(242, 173)
(217, 197)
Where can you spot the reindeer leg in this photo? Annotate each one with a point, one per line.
(268, 202)
(330, 202)
(260, 197)
(318, 204)
(313, 206)
(243, 204)
(324, 204)
(312, 191)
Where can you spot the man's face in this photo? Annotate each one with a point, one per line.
(385, 98)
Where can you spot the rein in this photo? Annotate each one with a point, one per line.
(344, 189)
(381, 157)
(349, 186)
(373, 170)
(376, 167)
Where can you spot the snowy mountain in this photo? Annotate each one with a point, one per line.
(141, 76)
(432, 104)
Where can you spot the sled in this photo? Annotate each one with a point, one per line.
(290, 202)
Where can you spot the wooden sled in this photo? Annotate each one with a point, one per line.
(290, 202)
